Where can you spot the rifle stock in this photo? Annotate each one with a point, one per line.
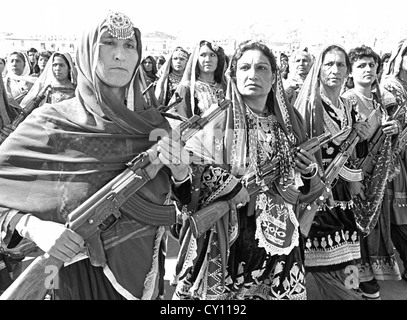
(87, 218)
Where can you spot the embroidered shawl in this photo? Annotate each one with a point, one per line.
(188, 85)
(63, 153)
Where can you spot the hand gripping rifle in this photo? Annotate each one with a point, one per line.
(376, 142)
(87, 219)
(24, 112)
(204, 218)
(335, 168)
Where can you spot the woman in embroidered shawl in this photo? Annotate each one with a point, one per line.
(253, 251)
(203, 78)
(377, 250)
(332, 247)
(170, 75)
(60, 73)
(394, 81)
(63, 153)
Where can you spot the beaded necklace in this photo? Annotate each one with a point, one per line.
(267, 140)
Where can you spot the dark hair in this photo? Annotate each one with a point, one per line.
(160, 59)
(32, 50)
(45, 54)
(335, 47)
(219, 72)
(4, 60)
(385, 56)
(56, 54)
(252, 45)
(362, 52)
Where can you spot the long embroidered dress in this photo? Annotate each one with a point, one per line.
(378, 260)
(333, 240)
(265, 260)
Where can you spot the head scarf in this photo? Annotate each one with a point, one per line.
(78, 144)
(232, 126)
(392, 72)
(47, 78)
(309, 103)
(10, 75)
(190, 74)
(161, 89)
(4, 106)
(293, 58)
(152, 75)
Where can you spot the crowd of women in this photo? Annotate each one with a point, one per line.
(303, 172)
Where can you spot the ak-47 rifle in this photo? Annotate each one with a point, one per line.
(376, 142)
(203, 219)
(87, 219)
(335, 168)
(24, 112)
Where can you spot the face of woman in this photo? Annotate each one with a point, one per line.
(334, 69)
(254, 76)
(148, 65)
(17, 64)
(60, 69)
(207, 60)
(364, 71)
(302, 64)
(178, 62)
(117, 60)
(42, 62)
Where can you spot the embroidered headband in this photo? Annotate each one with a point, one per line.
(119, 25)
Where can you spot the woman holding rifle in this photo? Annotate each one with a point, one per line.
(332, 245)
(254, 250)
(64, 153)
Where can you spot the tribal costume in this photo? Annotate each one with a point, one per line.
(256, 252)
(63, 153)
(333, 241)
(168, 81)
(57, 92)
(378, 260)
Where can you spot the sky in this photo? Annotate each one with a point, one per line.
(212, 19)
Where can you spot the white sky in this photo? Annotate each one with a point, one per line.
(209, 18)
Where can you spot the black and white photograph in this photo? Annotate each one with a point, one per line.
(203, 154)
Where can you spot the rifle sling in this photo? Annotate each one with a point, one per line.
(149, 213)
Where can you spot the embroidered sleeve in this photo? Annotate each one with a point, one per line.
(216, 183)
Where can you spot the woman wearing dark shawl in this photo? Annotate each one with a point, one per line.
(332, 247)
(394, 81)
(253, 251)
(63, 153)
